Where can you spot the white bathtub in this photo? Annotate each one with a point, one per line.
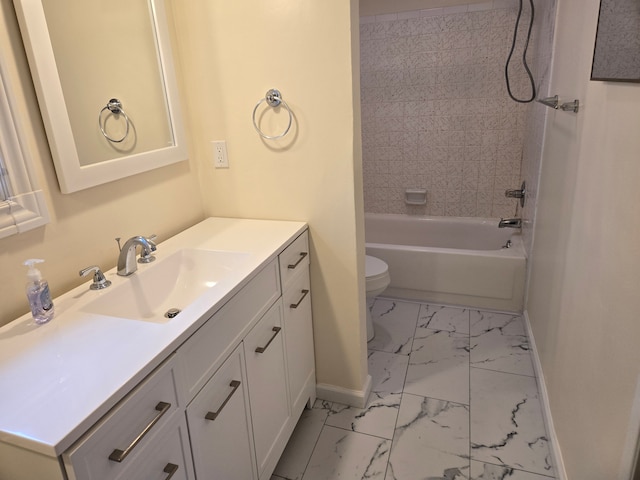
(457, 261)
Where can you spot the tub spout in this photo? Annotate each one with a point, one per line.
(510, 223)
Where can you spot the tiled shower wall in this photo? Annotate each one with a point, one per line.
(435, 110)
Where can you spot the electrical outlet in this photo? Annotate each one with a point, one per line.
(220, 159)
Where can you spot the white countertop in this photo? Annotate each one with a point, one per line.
(58, 379)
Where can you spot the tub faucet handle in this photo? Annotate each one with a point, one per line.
(521, 193)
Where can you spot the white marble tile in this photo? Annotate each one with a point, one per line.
(300, 447)
(439, 366)
(388, 371)
(507, 427)
(342, 454)
(438, 317)
(431, 440)
(378, 418)
(499, 342)
(486, 471)
(394, 322)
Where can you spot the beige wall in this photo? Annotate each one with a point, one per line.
(586, 256)
(231, 54)
(84, 224)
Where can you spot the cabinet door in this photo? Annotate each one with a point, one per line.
(299, 340)
(266, 372)
(219, 425)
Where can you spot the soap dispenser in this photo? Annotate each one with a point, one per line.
(38, 293)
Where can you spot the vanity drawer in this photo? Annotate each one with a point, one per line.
(203, 353)
(119, 438)
(166, 456)
(294, 258)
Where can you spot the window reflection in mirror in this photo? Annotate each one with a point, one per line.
(22, 204)
(5, 191)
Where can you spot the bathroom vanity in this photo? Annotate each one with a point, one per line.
(113, 389)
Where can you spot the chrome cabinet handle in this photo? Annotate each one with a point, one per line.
(170, 468)
(119, 455)
(212, 415)
(296, 305)
(263, 349)
(294, 265)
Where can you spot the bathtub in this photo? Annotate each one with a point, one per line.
(449, 260)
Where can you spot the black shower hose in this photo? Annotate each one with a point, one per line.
(524, 56)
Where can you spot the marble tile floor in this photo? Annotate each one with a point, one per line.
(454, 397)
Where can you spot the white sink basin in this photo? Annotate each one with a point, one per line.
(172, 283)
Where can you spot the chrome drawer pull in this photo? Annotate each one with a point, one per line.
(170, 468)
(212, 415)
(262, 349)
(294, 265)
(119, 455)
(296, 305)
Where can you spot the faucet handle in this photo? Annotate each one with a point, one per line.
(148, 257)
(521, 193)
(99, 280)
(151, 239)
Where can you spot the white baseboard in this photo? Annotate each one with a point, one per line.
(346, 396)
(556, 454)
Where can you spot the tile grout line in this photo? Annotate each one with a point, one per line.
(469, 331)
(324, 424)
(395, 426)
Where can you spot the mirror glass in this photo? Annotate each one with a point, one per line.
(104, 76)
(616, 55)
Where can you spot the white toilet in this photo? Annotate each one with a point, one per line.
(377, 273)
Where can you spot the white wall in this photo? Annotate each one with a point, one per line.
(585, 274)
(231, 54)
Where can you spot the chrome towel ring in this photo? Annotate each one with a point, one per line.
(114, 106)
(273, 99)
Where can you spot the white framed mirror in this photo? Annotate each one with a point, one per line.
(84, 55)
(22, 204)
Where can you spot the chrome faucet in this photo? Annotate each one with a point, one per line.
(127, 258)
(510, 223)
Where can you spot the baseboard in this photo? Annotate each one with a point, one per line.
(556, 453)
(346, 396)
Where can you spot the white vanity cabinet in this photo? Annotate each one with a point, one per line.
(223, 396)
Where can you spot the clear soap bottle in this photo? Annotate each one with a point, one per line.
(38, 293)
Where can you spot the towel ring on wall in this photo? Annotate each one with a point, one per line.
(114, 106)
(273, 99)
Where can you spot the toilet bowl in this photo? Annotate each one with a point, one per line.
(377, 274)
